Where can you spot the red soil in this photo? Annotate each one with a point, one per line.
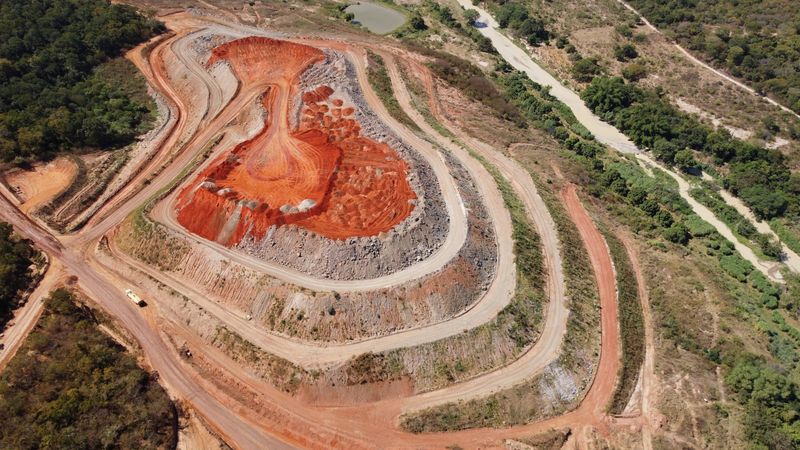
(323, 175)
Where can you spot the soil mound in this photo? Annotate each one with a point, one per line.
(323, 175)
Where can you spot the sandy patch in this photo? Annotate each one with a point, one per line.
(41, 184)
(194, 435)
(738, 133)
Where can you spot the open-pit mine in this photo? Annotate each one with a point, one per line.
(307, 269)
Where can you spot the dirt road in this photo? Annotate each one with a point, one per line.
(602, 131)
(232, 422)
(25, 318)
(649, 396)
(547, 347)
(768, 268)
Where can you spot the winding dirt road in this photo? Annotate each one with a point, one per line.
(547, 347)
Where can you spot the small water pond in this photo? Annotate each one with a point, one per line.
(377, 18)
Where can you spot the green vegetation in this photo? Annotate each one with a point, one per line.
(468, 79)
(651, 206)
(771, 401)
(382, 84)
(528, 253)
(16, 256)
(759, 176)
(788, 233)
(52, 98)
(625, 52)
(445, 15)
(585, 69)
(631, 325)
(337, 10)
(634, 71)
(739, 224)
(517, 17)
(754, 40)
(658, 205)
(281, 373)
(71, 386)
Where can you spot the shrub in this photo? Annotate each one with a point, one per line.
(625, 52)
(585, 69)
(634, 71)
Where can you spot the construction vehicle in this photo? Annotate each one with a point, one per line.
(134, 298)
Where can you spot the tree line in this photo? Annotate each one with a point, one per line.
(51, 100)
(16, 256)
(759, 176)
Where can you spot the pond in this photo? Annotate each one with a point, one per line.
(376, 18)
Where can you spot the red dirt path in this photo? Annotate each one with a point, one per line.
(323, 175)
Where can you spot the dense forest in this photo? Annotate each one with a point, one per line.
(71, 386)
(758, 41)
(757, 175)
(51, 98)
(15, 257)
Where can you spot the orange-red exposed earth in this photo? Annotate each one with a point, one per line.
(322, 175)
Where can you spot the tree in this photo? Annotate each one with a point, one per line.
(765, 204)
(677, 233)
(51, 97)
(634, 71)
(15, 258)
(685, 161)
(625, 52)
(585, 69)
(605, 96)
(533, 31)
(511, 14)
(471, 15)
(417, 23)
(664, 218)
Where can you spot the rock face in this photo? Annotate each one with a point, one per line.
(320, 173)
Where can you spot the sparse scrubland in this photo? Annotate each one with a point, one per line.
(759, 176)
(71, 386)
(653, 209)
(755, 41)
